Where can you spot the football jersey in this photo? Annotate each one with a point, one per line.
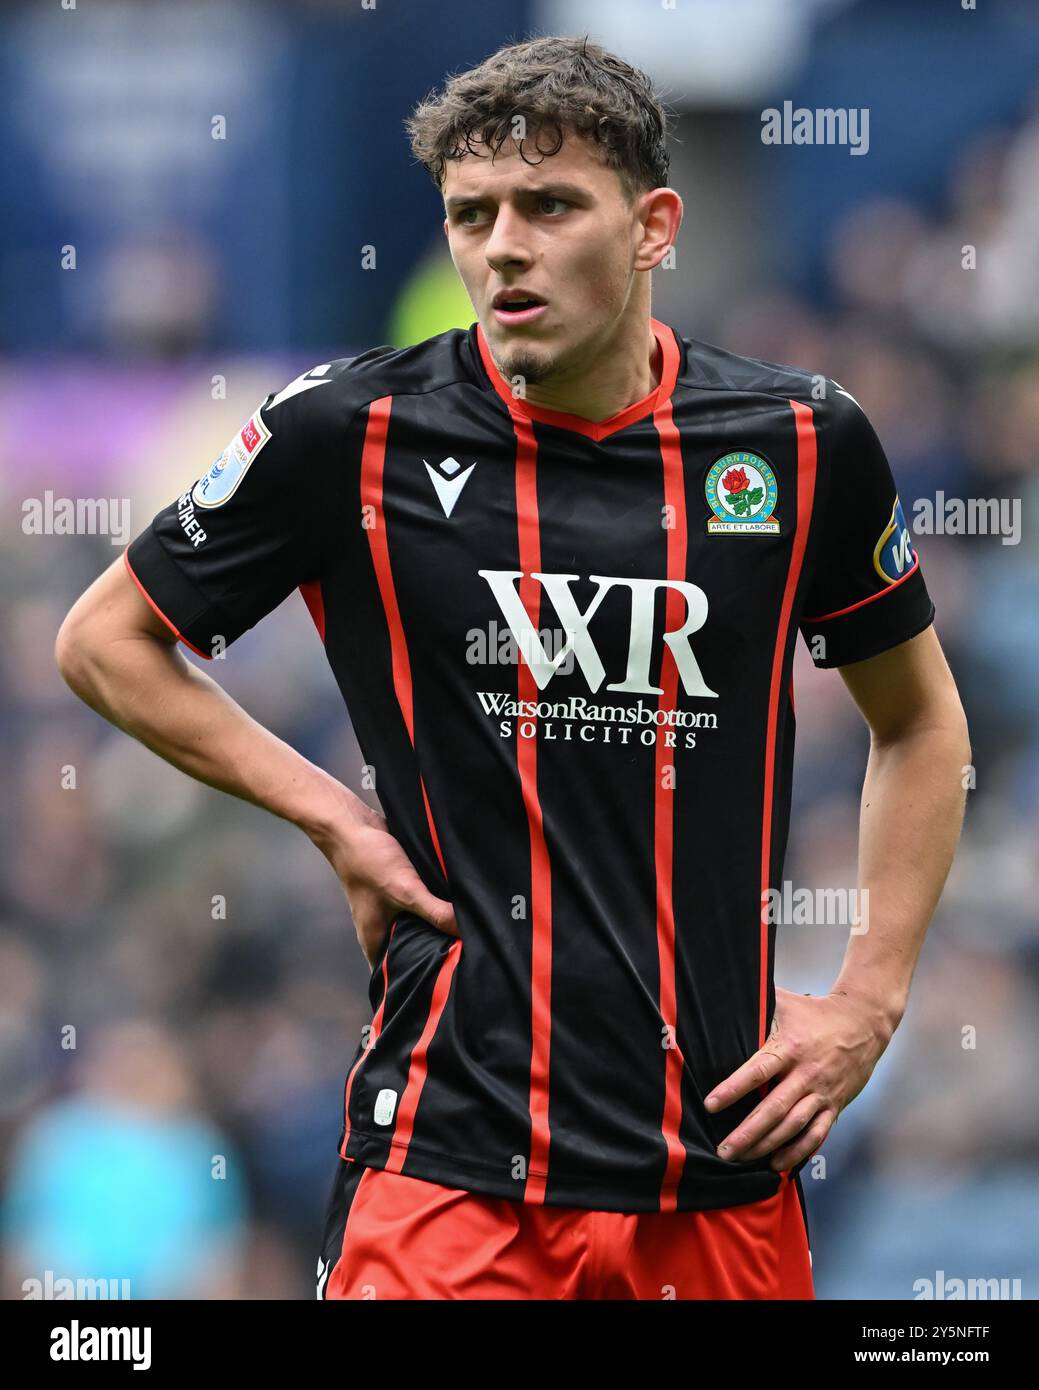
(566, 648)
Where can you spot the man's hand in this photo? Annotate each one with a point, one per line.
(379, 880)
(826, 1050)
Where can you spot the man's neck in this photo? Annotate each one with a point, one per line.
(609, 386)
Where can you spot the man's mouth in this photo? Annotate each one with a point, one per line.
(520, 308)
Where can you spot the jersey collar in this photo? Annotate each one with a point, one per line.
(592, 429)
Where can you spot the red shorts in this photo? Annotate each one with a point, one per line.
(391, 1236)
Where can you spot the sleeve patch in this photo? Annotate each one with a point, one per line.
(893, 554)
(214, 488)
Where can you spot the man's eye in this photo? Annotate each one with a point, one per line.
(463, 216)
(560, 201)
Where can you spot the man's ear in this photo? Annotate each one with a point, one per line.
(661, 214)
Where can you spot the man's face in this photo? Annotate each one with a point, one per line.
(559, 228)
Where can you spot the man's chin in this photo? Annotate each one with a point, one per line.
(530, 366)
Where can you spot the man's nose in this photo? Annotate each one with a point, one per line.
(507, 243)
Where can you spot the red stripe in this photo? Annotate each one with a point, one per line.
(664, 807)
(806, 457)
(373, 462)
(373, 1036)
(315, 601)
(404, 1123)
(871, 599)
(206, 656)
(528, 525)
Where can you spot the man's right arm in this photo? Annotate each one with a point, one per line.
(123, 660)
(120, 658)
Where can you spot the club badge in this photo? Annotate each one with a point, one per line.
(742, 493)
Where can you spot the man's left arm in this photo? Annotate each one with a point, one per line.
(824, 1049)
(912, 808)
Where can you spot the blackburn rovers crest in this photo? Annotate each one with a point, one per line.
(742, 494)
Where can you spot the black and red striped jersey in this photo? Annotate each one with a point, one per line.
(566, 650)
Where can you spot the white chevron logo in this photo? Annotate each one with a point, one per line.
(449, 489)
(315, 377)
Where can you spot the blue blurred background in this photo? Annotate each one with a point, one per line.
(170, 1080)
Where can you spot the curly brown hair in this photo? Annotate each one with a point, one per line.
(559, 86)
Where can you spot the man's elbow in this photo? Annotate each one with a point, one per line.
(946, 724)
(963, 734)
(948, 713)
(72, 648)
(83, 647)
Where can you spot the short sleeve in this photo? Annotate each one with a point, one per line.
(229, 549)
(866, 592)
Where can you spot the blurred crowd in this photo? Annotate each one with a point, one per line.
(936, 1164)
(180, 988)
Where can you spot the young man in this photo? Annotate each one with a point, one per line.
(580, 1080)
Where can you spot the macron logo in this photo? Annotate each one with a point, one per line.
(448, 486)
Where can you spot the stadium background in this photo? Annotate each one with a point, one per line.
(241, 258)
